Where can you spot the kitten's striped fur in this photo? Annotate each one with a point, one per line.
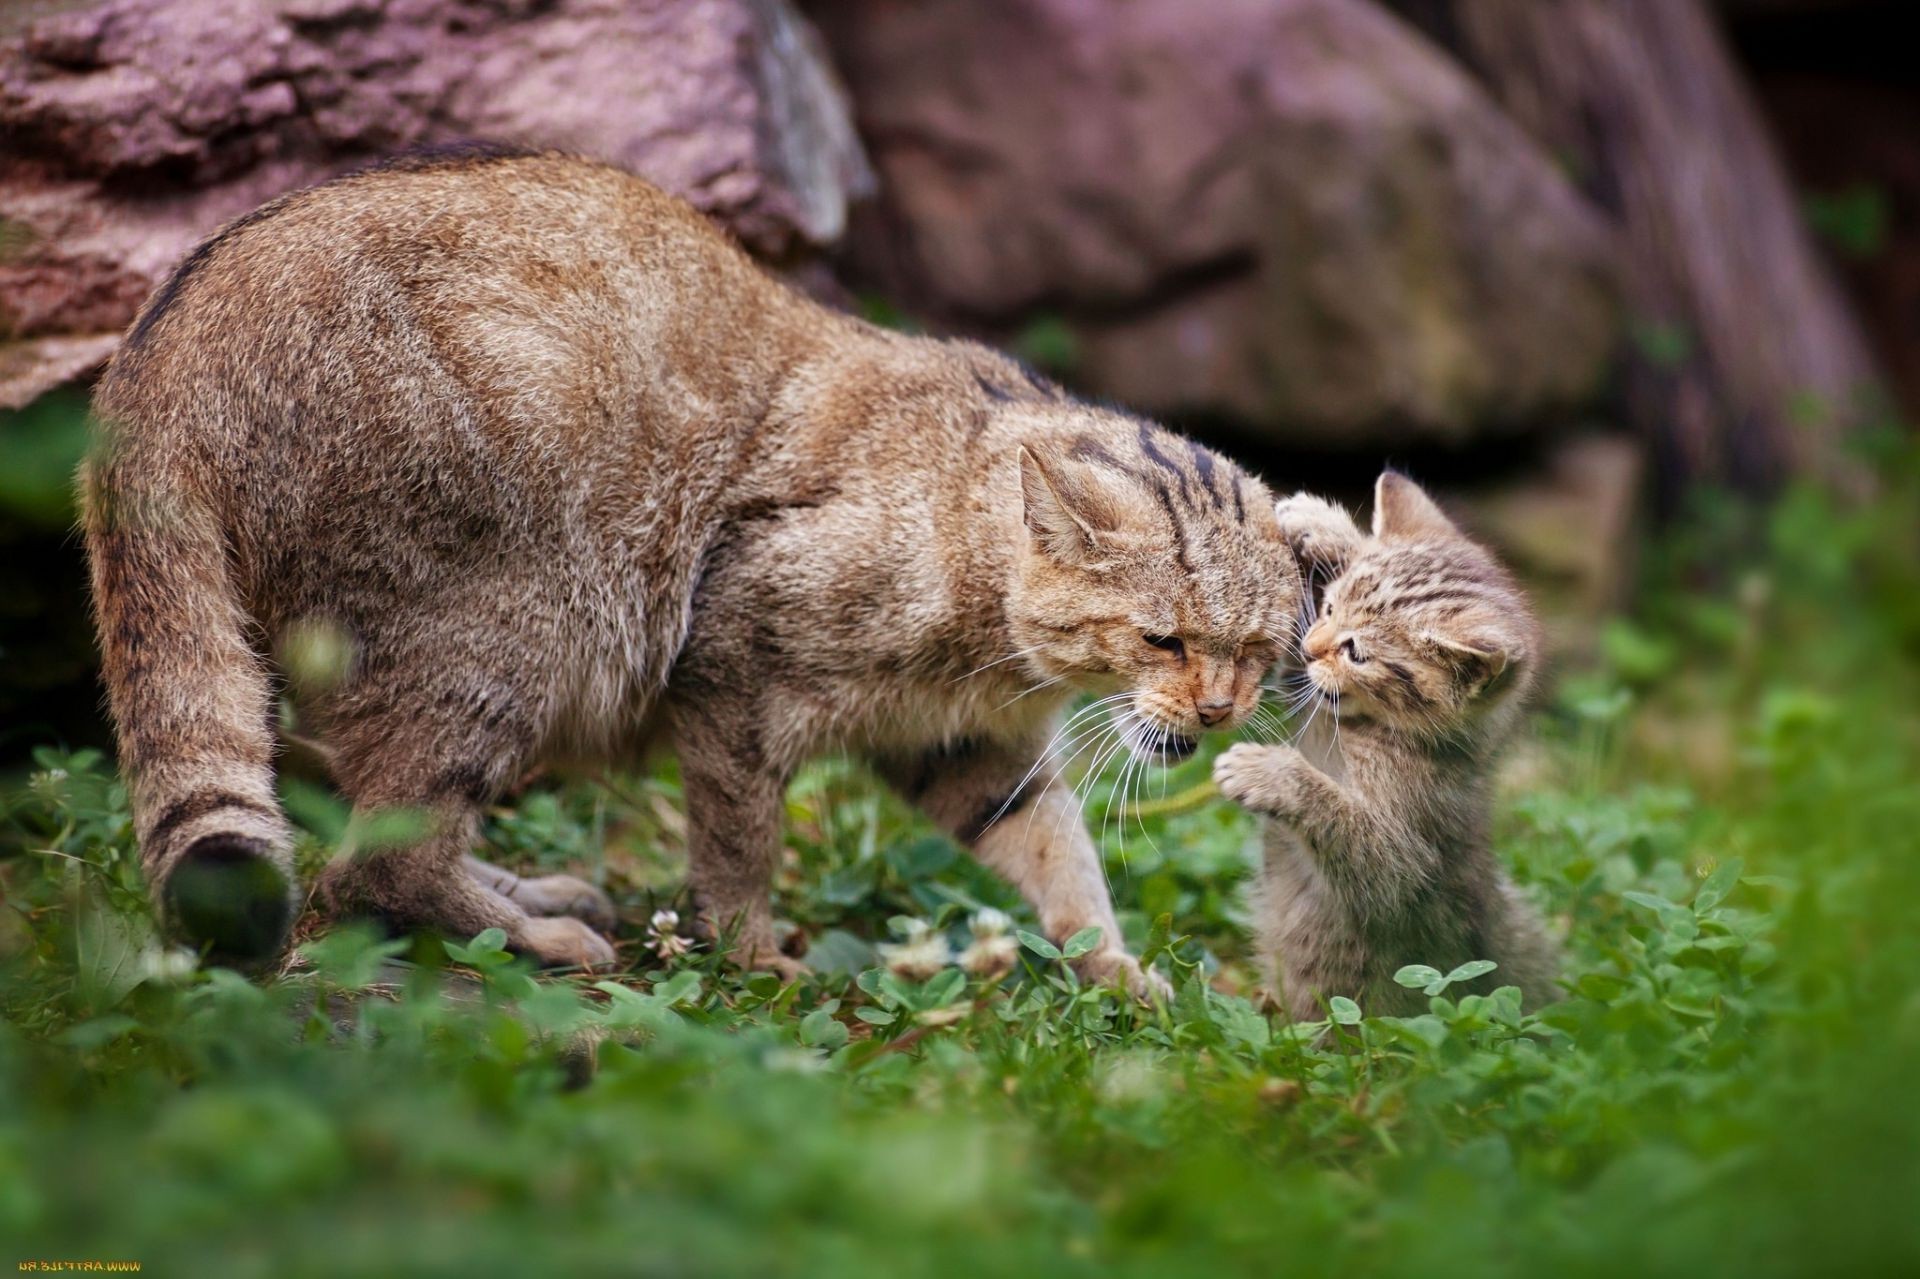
(567, 474)
(1377, 849)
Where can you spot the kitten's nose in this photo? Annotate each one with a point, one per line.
(1318, 643)
(1212, 713)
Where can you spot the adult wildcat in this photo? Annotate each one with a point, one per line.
(570, 475)
(1377, 851)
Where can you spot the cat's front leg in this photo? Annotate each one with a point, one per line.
(1024, 821)
(734, 811)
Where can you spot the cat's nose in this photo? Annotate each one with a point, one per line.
(1318, 643)
(1212, 713)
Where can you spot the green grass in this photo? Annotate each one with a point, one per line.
(1724, 817)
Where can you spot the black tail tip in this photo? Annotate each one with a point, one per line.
(228, 898)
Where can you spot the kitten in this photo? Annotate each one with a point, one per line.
(560, 471)
(1377, 850)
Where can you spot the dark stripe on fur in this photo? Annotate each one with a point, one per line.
(1203, 466)
(198, 804)
(1154, 455)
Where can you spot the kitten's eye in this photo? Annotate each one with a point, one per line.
(1167, 644)
(1352, 650)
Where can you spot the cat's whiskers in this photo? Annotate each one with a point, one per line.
(1010, 657)
(1069, 731)
(1045, 683)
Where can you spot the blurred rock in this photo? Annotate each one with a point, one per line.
(134, 127)
(1748, 366)
(1293, 213)
(1569, 526)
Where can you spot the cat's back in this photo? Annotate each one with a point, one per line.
(454, 362)
(517, 285)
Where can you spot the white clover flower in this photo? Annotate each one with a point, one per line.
(991, 956)
(922, 954)
(990, 923)
(941, 1016)
(168, 966)
(663, 936)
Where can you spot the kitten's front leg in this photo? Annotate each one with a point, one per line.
(1323, 536)
(1032, 833)
(1276, 780)
(1373, 861)
(1262, 778)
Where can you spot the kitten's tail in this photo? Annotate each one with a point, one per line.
(191, 704)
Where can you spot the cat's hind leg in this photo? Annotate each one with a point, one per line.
(437, 721)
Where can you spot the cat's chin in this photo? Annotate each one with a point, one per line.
(1152, 744)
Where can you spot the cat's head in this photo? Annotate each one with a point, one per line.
(1153, 572)
(1423, 630)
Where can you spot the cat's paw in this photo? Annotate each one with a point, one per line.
(563, 942)
(1113, 966)
(563, 895)
(1320, 533)
(1258, 777)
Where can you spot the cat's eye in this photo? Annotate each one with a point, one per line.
(1352, 650)
(1166, 644)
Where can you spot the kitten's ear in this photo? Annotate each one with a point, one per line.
(1402, 510)
(1477, 663)
(1075, 518)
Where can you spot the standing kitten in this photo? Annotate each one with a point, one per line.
(566, 474)
(1378, 852)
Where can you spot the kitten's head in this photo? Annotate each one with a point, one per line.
(1153, 573)
(1423, 631)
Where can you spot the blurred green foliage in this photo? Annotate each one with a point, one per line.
(1049, 343)
(1855, 220)
(1722, 817)
(40, 447)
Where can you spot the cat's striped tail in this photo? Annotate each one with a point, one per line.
(192, 707)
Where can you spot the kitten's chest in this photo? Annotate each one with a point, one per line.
(1321, 744)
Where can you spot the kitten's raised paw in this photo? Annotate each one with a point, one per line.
(1320, 532)
(563, 942)
(1254, 776)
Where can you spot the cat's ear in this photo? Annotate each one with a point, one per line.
(1402, 510)
(1076, 518)
(1477, 663)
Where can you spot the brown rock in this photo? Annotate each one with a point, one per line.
(1292, 212)
(1569, 525)
(134, 127)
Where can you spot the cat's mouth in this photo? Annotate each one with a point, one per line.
(1158, 745)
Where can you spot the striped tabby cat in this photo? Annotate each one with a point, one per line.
(567, 475)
